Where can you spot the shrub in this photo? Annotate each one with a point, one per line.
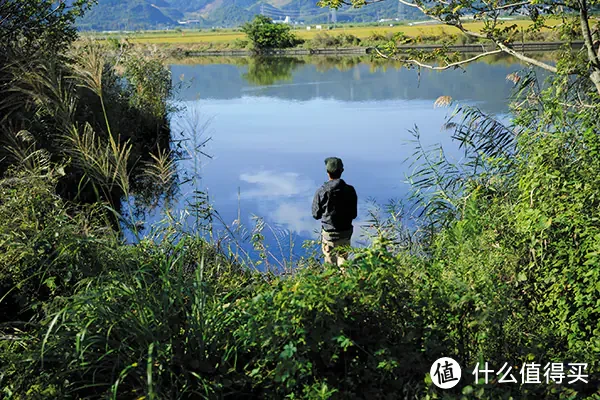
(240, 43)
(356, 332)
(111, 318)
(389, 38)
(323, 39)
(558, 215)
(45, 247)
(264, 34)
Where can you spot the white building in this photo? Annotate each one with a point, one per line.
(287, 20)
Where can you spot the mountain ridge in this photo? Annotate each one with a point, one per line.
(161, 14)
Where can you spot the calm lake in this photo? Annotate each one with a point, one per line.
(272, 122)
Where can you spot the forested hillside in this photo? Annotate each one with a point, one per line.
(153, 14)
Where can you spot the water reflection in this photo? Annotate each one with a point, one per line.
(269, 184)
(346, 79)
(274, 121)
(269, 70)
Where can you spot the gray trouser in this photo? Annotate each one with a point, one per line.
(328, 244)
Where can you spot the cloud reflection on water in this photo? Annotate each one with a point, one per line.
(284, 199)
(270, 184)
(295, 217)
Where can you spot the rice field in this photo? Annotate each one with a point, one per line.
(363, 32)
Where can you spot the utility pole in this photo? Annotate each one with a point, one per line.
(402, 11)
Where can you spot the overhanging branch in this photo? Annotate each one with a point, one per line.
(523, 57)
(448, 66)
(458, 24)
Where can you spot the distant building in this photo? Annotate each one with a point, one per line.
(287, 20)
(191, 21)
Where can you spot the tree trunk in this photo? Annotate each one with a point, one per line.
(595, 77)
(589, 44)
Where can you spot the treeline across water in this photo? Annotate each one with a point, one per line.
(501, 265)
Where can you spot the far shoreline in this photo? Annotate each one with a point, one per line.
(362, 50)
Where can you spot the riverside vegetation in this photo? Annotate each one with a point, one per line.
(501, 266)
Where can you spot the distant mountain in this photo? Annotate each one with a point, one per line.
(130, 14)
(156, 14)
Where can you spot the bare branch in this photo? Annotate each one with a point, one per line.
(499, 8)
(451, 65)
(523, 57)
(580, 105)
(458, 24)
(506, 6)
(408, 3)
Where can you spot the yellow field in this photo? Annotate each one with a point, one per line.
(363, 32)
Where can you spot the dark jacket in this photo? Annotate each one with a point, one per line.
(335, 204)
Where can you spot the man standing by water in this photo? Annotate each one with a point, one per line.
(335, 204)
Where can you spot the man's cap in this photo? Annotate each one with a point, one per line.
(334, 164)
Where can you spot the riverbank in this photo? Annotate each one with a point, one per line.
(358, 50)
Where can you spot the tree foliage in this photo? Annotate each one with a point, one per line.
(39, 24)
(270, 70)
(265, 34)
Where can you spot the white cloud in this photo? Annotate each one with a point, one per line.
(295, 217)
(271, 184)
